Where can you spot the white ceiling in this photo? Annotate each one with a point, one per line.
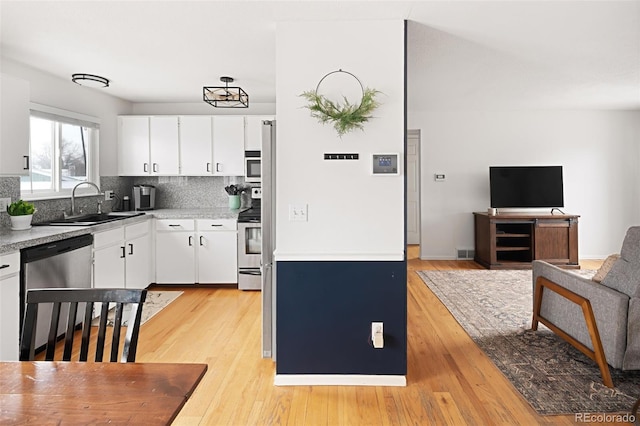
(561, 53)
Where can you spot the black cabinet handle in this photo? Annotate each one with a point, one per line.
(208, 167)
(215, 225)
(173, 226)
(155, 167)
(26, 162)
(123, 252)
(145, 167)
(201, 240)
(4, 266)
(130, 248)
(190, 240)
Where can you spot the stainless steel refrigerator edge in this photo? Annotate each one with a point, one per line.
(268, 238)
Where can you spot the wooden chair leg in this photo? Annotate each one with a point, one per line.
(597, 354)
(537, 304)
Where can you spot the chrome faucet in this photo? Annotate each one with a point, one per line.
(73, 195)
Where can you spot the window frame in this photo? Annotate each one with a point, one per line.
(93, 159)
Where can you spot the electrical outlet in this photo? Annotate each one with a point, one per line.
(4, 202)
(377, 334)
(108, 195)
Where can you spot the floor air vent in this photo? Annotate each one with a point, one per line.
(465, 254)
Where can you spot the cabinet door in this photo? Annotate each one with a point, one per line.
(556, 241)
(228, 146)
(133, 146)
(217, 257)
(137, 263)
(108, 267)
(9, 306)
(163, 142)
(14, 126)
(175, 258)
(9, 317)
(196, 138)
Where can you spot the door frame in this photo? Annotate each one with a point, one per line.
(416, 134)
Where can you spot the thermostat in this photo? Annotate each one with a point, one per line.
(385, 164)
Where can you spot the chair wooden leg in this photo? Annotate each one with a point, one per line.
(597, 354)
(598, 350)
(537, 304)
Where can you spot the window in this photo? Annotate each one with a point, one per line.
(64, 152)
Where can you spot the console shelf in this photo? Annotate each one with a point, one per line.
(513, 241)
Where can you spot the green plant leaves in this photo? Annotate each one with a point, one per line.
(345, 117)
(20, 208)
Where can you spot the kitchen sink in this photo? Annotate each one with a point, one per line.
(90, 219)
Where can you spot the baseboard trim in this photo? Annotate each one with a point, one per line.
(339, 380)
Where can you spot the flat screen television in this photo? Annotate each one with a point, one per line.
(526, 187)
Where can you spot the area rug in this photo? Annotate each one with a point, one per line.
(154, 303)
(495, 309)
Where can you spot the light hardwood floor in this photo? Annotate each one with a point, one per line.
(449, 381)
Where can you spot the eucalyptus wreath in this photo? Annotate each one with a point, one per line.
(345, 117)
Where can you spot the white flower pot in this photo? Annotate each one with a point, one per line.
(20, 223)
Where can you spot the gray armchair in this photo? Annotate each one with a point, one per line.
(602, 320)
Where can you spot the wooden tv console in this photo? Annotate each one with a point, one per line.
(513, 241)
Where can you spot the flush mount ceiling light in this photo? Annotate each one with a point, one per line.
(90, 80)
(225, 97)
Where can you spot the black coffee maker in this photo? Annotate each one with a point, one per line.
(144, 197)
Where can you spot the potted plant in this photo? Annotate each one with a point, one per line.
(21, 213)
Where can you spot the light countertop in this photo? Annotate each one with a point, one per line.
(17, 240)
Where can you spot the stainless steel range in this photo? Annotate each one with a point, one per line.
(250, 244)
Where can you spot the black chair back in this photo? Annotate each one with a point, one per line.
(75, 298)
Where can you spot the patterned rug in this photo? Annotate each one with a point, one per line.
(154, 303)
(495, 309)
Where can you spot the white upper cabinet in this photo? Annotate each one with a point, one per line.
(14, 126)
(133, 145)
(196, 141)
(228, 146)
(148, 145)
(163, 142)
(181, 145)
(253, 134)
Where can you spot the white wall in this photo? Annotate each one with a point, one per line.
(351, 214)
(600, 152)
(64, 94)
(201, 108)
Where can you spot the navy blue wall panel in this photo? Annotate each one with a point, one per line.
(324, 313)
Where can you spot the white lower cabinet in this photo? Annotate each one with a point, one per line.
(175, 251)
(108, 259)
(10, 306)
(217, 251)
(196, 251)
(138, 261)
(122, 256)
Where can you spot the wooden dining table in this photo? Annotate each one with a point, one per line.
(56, 392)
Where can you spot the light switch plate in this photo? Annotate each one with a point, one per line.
(4, 202)
(297, 212)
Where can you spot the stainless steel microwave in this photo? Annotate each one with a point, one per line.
(252, 166)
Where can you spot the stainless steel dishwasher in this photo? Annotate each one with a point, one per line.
(60, 264)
